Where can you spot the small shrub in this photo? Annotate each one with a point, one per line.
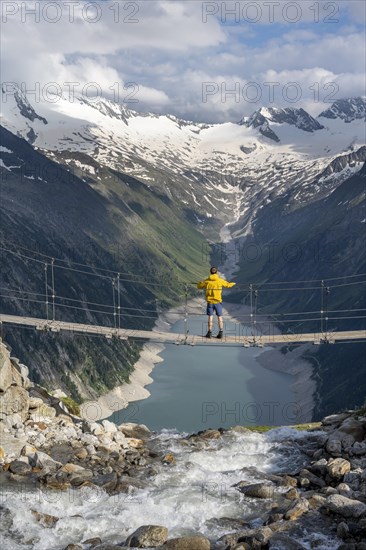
(72, 406)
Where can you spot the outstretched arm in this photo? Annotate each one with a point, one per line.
(201, 284)
(226, 284)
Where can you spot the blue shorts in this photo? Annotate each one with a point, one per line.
(211, 308)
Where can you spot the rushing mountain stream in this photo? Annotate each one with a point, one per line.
(196, 494)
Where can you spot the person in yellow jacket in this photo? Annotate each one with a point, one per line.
(214, 285)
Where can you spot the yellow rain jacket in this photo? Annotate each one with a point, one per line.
(213, 285)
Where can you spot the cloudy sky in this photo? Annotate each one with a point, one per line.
(209, 61)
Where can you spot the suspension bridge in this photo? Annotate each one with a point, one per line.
(184, 338)
(252, 328)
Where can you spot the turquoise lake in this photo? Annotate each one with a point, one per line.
(201, 387)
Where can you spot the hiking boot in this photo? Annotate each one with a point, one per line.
(220, 334)
(209, 334)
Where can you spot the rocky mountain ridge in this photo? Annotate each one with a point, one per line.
(347, 110)
(299, 118)
(200, 166)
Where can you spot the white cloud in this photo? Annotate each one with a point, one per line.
(154, 24)
(150, 96)
(170, 53)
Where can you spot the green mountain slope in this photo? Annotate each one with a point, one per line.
(326, 239)
(115, 223)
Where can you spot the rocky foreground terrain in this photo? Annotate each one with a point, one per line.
(44, 446)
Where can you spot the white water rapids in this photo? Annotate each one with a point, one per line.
(188, 497)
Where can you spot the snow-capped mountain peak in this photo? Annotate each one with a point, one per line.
(288, 115)
(348, 110)
(109, 108)
(25, 108)
(224, 170)
(276, 144)
(259, 121)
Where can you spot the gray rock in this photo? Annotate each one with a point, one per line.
(225, 523)
(231, 539)
(318, 454)
(107, 481)
(280, 541)
(188, 543)
(353, 427)
(329, 491)
(320, 439)
(92, 542)
(109, 427)
(17, 377)
(95, 428)
(56, 481)
(334, 447)
(89, 439)
(359, 448)
(344, 489)
(15, 400)
(292, 494)
(64, 452)
(342, 530)
(319, 467)
(42, 413)
(288, 481)
(20, 467)
(256, 490)
(91, 450)
(44, 462)
(353, 479)
(12, 421)
(6, 374)
(46, 520)
(35, 402)
(346, 439)
(148, 536)
(130, 429)
(86, 426)
(75, 474)
(255, 538)
(335, 419)
(261, 534)
(24, 373)
(28, 450)
(298, 509)
(338, 467)
(81, 453)
(316, 501)
(210, 434)
(345, 507)
(312, 478)
(121, 439)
